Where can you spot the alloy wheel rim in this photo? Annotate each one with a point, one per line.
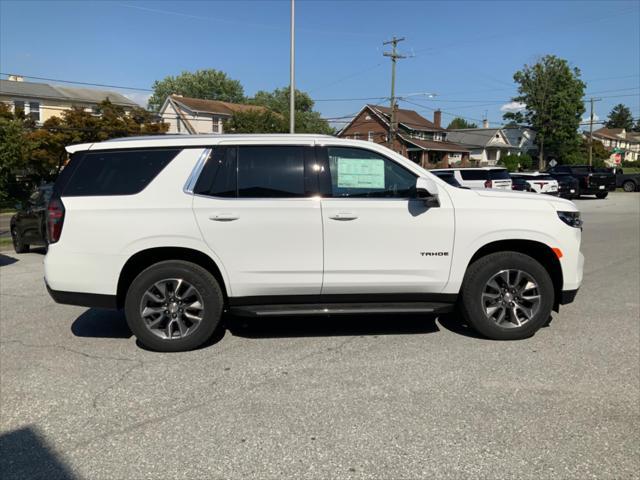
(511, 298)
(172, 309)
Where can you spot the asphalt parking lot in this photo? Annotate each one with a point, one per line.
(356, 397)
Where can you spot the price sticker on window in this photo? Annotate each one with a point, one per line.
(360, 173)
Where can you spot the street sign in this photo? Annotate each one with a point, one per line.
(552, 163)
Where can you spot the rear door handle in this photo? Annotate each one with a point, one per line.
(224, 217)
(343, 216)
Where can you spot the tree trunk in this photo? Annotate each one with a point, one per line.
(541, 155)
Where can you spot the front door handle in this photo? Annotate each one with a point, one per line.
(224, 217)
(343, 216)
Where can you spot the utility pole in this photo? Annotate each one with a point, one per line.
(394, 55)
(591, 130)
(292, 78)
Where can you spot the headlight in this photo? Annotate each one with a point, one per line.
(571, 218)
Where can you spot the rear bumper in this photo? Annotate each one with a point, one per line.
(568, 296)
(93, 300)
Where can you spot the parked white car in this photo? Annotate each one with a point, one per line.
(176, 229)
(535, 182)
(481, 177)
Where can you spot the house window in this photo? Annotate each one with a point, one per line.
(34, 111)
(215, 128)
(368, 117)
(356, 136)
(370, 136)
(437, 137)
(18, 106)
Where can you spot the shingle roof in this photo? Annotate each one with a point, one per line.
(214, 106)
(410, 118)
(437, 146)
(33, 90)
(472, 136)
(612, 133)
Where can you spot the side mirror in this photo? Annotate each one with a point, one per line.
(427, 190)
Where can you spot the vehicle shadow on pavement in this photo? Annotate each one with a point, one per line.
(7, 260)
(24, 453)
(328, 326)
(99, 323)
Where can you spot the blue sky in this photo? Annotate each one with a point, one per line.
(464, 51)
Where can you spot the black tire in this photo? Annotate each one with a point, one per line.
(477, 276)
(206, 286)
(629, 186)
(602, 195)
(18, 245)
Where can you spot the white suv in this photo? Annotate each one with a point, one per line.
(481, 177)
(177, 229)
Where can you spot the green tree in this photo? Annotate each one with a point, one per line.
(620, 117)
(552, 93)
(256, 121)
(307, 120)
(14, 151)
(459, 122)
(207, 84)
(513, 163)
(636, 127)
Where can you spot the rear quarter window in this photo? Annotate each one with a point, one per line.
(114, 172)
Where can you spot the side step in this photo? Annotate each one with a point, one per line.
(340, 309)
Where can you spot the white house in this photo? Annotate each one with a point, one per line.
(487, 145)
(194, 115)
(623, 145)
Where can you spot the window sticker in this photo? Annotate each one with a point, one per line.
(360, 173)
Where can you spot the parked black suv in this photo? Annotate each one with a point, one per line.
(590, 181)
(29, 225)
(568, 186)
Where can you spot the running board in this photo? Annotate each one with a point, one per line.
(340, 309)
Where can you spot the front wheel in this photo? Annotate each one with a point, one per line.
(506, 296)
(173, 306)
(602, 195)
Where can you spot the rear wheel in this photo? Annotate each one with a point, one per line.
(18, 244)
(173, 306)
(506, 296)
(629, 186)
(602, 195)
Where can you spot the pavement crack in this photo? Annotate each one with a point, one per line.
(123, 376)
(69, 350)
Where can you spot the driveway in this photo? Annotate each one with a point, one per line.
(353, 397)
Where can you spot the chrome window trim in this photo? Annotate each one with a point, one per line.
(190, 185)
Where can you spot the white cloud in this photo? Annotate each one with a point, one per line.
(512, 107)
(139, 97)
(587, 119)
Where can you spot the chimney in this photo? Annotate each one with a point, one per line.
(16, 78)
(485, 123)
(437, 118)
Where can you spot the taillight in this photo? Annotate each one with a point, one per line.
(487, 184)
(55, 219)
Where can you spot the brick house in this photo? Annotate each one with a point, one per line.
(418, 139)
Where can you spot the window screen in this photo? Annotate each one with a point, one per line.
(113, 172)
(219, 175)
(357, 172)
(271, 172)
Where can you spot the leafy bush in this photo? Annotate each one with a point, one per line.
(514, 163)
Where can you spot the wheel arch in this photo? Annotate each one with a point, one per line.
(145, 258)
(539, 251)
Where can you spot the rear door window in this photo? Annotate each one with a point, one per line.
(116, 172)
(271, 171)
